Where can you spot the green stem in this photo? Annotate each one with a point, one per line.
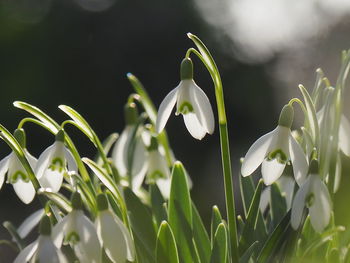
(205, 56)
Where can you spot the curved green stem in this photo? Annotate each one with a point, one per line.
(205, 56)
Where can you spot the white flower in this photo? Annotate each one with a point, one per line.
(191, 102)
(344, 130)
(77, 230)
(52, 164)
(314, 195)
(113, 235)
(17, 175)
(274, 150)
(42, 250)
(121, 157)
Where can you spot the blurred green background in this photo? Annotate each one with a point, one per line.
(67, 52)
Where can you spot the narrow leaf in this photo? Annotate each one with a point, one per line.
(166, 250)
(247, 192)
(180, 214)
(219, 251)
(278, 205)
(248, 253)
(157, 202)
(57, 198)
(30, 223)
(216, 219)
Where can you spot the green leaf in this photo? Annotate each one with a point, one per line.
(114, 204)
(247, 192)
(166, 250)
(278, 205)
(216, 219)
(82, 124)
(104, 178)
(58, 199)
(248, 253)
(201, 237)
(142, 226)
(14, 234)
(248, 237)
(219, 251)
(157, 202)
(274, 240)
(180, 214)
(42, 116)
(310, 115)
(107, 145)
(145, 99)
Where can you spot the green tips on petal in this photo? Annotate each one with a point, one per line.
(279, 155)
(77, 203)
(45, 226)
(185, 108)
(186, 69)
(102, 203)
(20, 136)
(286, 116)
(310, 199)
(60, 136)
(130, 113)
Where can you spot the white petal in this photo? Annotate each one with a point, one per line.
(299, 161)
(44, 160)
(24, 190)
(88, 249)
(120, 151)
(139, 165)
(265, 199)
(271, 171)
(157, 164)
(257, 153)
(72, 165)
(320, 211)
(299, 204)
(193, 125)
(32, 221)
(52, 179)
(287, 184)
(130, 255)
(344, 133)
(27, 253)
(164, 186)
(4, 166)
(111, 236)
(202, 108)
(46, 252)
(165, 109)
(31, 159)
(58, 231)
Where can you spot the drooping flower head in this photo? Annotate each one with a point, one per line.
(274, 150)
(78, 231)
(191, 102)
(314, 196)
(129, 153)
(43, 249)
(53, 163)
(16, 174)
(112, 233)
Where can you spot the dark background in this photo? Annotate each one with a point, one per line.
(55, 52)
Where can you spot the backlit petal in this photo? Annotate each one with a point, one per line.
(193, 125)
(271, 170)
(52, 179)
(257, 153)
(320, 210)
(139, 165)
(46, 252)
(32, 221)
(44, 161)
(24, 190)
(344, 133)
(299, 161)
(71, 164)
(4, 166)
(26, 254)
(165, 109)
(299, 204)
(120, 151)
(202, 108)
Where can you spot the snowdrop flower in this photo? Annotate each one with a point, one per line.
(43, 249)
(191, 102)
(16, 174)
(157, 170)
(314, 195)
(120, 154)
(78, 231)
(344, 130)
(274, 150)
(112, 233)
(53, 162)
